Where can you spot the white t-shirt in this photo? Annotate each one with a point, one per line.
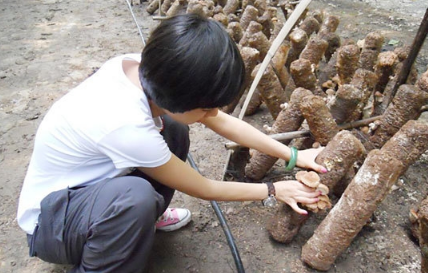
(100, 129)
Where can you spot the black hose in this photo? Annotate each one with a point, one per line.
(227, 232)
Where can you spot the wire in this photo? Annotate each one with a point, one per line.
(136, 22)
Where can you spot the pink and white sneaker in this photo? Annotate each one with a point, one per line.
(173, 219)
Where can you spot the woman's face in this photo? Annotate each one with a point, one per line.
(193, 116)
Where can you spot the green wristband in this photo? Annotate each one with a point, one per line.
(293, 159)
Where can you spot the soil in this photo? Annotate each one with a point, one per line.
(49, 46)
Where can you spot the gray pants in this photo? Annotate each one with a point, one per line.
(108, 226)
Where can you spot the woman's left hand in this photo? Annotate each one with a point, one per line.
(306, 159)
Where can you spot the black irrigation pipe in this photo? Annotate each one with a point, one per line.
(220, 216)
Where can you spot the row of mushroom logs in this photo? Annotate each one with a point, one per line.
(324, 81)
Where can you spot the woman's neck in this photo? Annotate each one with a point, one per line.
(130, 68)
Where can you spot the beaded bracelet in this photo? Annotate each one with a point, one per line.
(293, 159)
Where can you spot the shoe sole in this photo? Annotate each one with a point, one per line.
(178, 225)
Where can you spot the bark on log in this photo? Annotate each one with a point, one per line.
(254, 104)
(347, 62)
(310, 25)
(408, 144)
(384, 68)
(235, 31)
(298, 39)
(302, 74)
(278, 62)
(328, 71)
(203, 8)
(222, 19)
(345, 103)
(266, 21)
(317, 14)
(320, 121)
(338, 157)
(422, 83)
(270, 90)
(334, 42)
(277, 26)
(343, 183)
(246, 3)
(329, 25)
(371, 49)
(165, 6)
(354, 209)
(402, 54)
(314, 50)
(175, 8)
(250, 56)
(288, 120)
(250, 14)
(365, 81)
(285, 224)
(254, 37)
(231, 6)
(261, 6)
(152, 7)
(423, 232)
(405, 106)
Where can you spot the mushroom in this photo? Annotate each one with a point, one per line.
(310, 179)
(312, 207)
(324, 202)
(323, 189)
(413, 216)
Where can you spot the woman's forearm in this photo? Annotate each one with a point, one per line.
(243, 133)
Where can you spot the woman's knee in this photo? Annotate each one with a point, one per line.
(134, 196)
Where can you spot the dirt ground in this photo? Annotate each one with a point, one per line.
(49, 46)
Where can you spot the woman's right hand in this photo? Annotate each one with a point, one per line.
(293, 192)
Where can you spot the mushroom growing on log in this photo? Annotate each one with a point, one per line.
(312, 180)
(353, 210)
(338, 157)
(368, 188)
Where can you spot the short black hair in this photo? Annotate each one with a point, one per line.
(191, 62)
